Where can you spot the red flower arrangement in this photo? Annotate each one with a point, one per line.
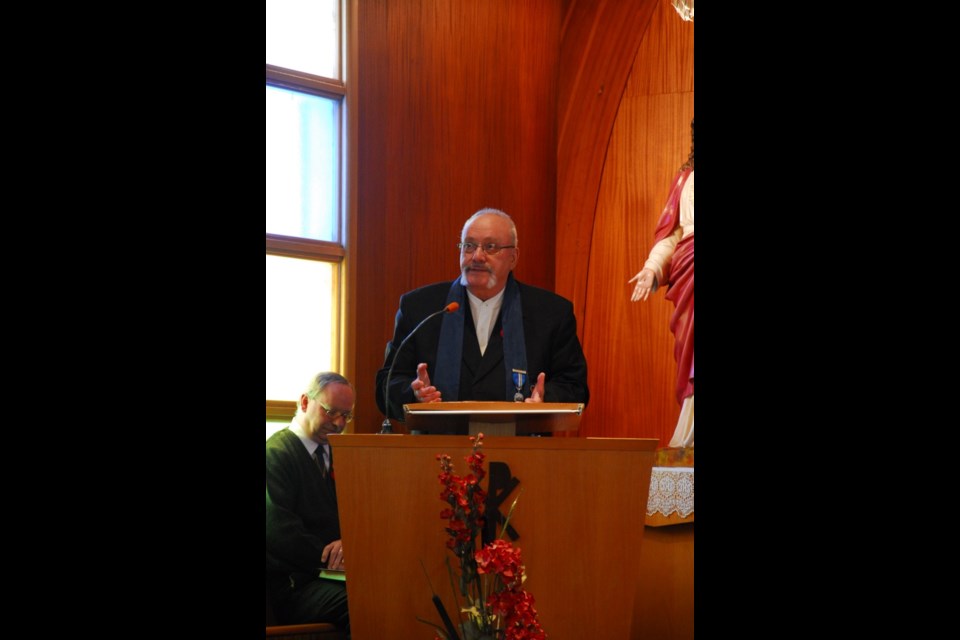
(497, 607)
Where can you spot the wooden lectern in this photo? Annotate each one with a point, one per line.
(493, 418)
(580, 519)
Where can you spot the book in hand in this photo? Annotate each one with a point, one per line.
(333, 574)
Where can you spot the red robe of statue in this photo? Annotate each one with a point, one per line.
(678, 277)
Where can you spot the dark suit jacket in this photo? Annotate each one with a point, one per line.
(550, 334)
(302, 514)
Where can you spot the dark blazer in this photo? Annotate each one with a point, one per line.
(302, 514)
(550, 335)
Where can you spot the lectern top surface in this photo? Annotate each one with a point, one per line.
(494, 408)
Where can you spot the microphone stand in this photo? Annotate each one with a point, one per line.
(387, 426)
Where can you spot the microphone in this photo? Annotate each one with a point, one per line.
(386, 427)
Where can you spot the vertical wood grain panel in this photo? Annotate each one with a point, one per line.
(628, 345)
(600, 41)
(457, 112)
(583, 578)
(499, 103)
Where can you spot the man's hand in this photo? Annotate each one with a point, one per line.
(422, 390)
(332, 556)
(537, 394)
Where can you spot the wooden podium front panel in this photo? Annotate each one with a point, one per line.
(664, 602)
(580, 518)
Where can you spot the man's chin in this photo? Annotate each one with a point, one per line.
(478, 280)
(488, 282)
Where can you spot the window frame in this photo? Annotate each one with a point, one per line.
(325, 251)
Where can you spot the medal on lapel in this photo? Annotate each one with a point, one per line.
(519, 379)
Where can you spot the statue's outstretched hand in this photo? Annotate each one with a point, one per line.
(645, 280)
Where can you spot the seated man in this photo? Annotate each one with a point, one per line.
(303, 524)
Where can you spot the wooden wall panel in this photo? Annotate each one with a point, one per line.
(457, 112)
(599, 44)
(572, 116)
(628, 345)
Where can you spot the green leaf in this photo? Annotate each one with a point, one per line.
(440, 631)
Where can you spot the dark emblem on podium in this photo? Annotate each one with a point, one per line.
(500, 485)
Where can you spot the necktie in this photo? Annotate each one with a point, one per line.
(320, 457)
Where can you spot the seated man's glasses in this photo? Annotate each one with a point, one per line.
(490, 248)
(333, 415)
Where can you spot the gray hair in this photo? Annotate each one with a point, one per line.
(491, 211)
(320, 382)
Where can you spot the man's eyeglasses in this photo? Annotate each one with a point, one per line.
(490, 248)
(333, 415)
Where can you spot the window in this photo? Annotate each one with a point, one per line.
(306, 212)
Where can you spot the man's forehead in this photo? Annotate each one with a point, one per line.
(488, 226)
(337, 390)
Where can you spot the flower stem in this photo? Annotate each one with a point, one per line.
(506, 523)
(453, 587)
(447, 622)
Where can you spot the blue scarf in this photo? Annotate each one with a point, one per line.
(446, 378)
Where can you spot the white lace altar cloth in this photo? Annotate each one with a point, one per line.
(671, 491)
